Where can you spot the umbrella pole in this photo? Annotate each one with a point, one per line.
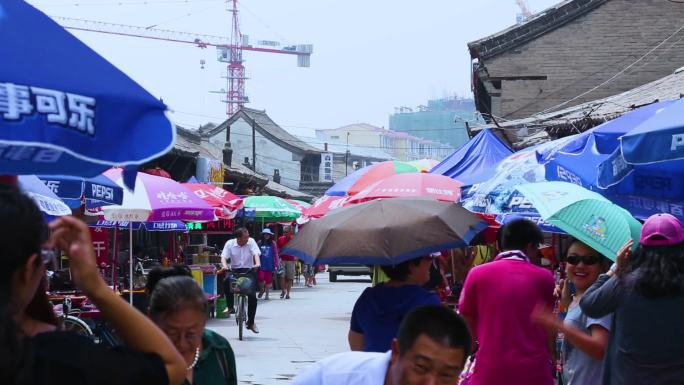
(130, 262)
(115, 261)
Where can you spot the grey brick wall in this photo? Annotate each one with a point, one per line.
(588, 51)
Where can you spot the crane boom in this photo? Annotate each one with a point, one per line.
(229, 48)
(200, 40)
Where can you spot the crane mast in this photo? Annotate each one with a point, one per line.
(229, 49)
(236, 70)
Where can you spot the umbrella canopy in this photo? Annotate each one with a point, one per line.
(323, 205)
(156, 199)
(475, 161)
(385, 232)
(301, 205)
(66, 110)
(225, 203)
(435, 186)
(498, 195)
(584, 214)
(659, 139)
(270, 208)
(45, 199)
(594, 160)
(93, 192)
(423, 165)
(362, 178)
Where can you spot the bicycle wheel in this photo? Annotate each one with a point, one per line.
(240, 315)
(77, 325)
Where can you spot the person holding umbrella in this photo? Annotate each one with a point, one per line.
(585, 338)
(379, 310)
(646, 294)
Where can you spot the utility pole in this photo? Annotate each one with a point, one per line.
(346, 158)
(253, 145)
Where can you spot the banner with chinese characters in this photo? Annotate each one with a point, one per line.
(220, 226)
(100, 239)
(326, 169)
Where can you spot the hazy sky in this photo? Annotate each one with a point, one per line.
(369, 55)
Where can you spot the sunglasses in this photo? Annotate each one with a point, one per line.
(586, 259)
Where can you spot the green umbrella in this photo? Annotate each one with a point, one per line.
(270, 208)
(584, 214)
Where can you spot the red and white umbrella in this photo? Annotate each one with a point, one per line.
(225, 203)
(436, 186)
(322, 205)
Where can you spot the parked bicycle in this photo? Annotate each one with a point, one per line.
(70, 318)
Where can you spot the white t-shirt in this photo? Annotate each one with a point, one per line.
(350, 368)
(241, 257)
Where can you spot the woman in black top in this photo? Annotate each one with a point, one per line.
(33, 350)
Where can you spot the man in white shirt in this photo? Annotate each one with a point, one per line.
(243, 253)
(431, 347)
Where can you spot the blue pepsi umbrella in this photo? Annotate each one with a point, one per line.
(66, 110)
(658, 139)
(498, 195)
(593, 160)
(97, 191)
(48, 203)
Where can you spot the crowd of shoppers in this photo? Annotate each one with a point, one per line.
(622, 324)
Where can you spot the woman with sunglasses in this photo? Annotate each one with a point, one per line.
(586, 338)
(646, 294)
(32, 348)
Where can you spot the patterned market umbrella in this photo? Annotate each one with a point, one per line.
(301, 205)
(439, 187)
(424, 165)
(155, 199)
(323, 205)
(270, 208)
(226, 204)
(584, 214)
(362, 178)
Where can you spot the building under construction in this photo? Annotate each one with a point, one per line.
(442, 120)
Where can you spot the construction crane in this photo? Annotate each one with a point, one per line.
(524, 10)
(229, 49)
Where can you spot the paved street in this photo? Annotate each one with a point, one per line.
(311, 325)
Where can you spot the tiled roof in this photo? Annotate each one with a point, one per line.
(589, 114)
(266, 127)
(537, 25)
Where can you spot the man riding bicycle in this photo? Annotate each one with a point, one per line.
(243, 253)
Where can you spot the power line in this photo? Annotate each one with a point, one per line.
(332, 129)
(125, 3)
